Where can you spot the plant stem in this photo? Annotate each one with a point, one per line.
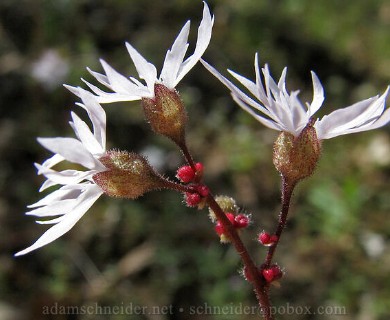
(287, 191)
(168, 184)
(187, 155)
(259, 284)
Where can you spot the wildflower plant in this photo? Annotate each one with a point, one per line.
(124, 174)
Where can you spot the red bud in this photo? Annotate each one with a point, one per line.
(199, 169)
(185, 174)
(203, 190)
(192, 199)
(266, 239)
(241, 221)
(219, 229)
(272, 273)
(268, 275)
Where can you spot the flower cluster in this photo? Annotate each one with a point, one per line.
(114, 173)
(298, 147)
(273, 106)
(173, 70)
(129, 175)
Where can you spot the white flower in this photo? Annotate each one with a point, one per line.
(272, 105)
(78, 192)
(173, 70)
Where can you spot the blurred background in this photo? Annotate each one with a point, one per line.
(155, 252)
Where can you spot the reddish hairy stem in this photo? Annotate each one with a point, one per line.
(287, 191)
(259, 285)
(178, 187)
(187, 155)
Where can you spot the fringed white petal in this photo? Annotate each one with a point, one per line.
(55, 208)
(97, 115)
(145, 69)
(202, 42)
(318, 95)
(364, 115)
(174, 58)
(51, 162)
(65, 176)
(267, 122)
(71, 149)
(66, 222)
(86, 136)
(57, 195)
(118, 82)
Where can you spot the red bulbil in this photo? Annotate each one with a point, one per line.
(266, 239)
(192, 199)
(219, 229)
(203, 190)
(241, 221)
(185, 174)
(278, 273)
(272, 273)
(199, 169)
(268, 275)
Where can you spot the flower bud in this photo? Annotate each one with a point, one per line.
(129, 175)
(199, 170)
(166, 113)
(241, 221)
(185, 174)
(296, 157)
(203, 190)
(272, 273)
(268, 275)
(220, 230)
(266, 239)
(192, 199)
